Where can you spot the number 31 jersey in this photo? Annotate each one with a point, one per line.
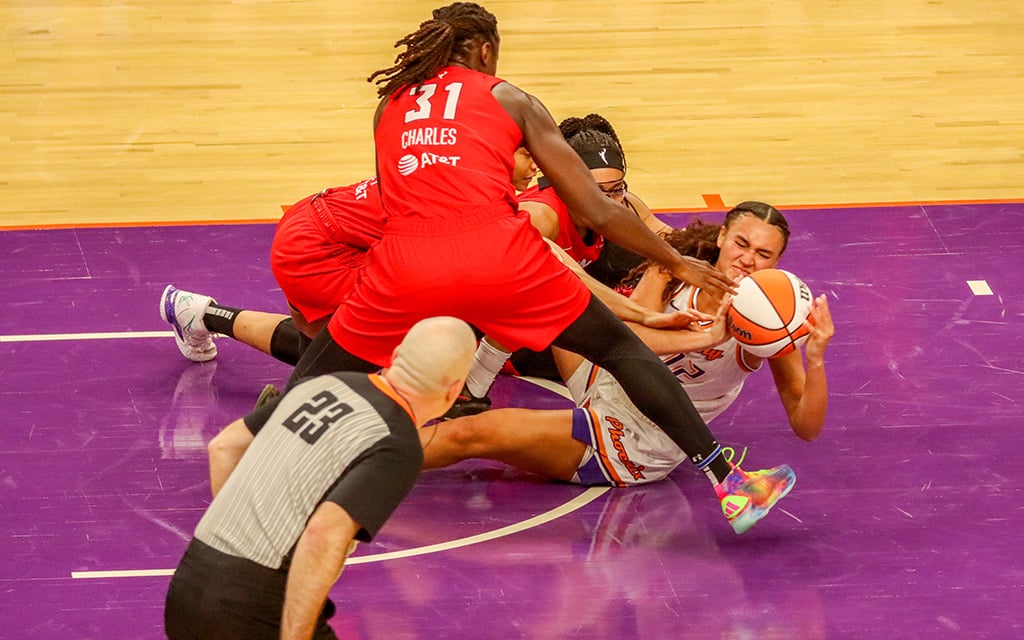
(445, 148)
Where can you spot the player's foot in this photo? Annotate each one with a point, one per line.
(184, 310)
(746, 497)
(466, 404)
(269, 393)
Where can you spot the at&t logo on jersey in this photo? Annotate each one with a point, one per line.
(363, 186)
(409, 163)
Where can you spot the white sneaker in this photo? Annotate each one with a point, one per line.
(184, 310)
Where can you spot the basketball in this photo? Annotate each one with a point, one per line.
(768, 312)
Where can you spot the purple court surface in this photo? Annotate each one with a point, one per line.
(903, 523)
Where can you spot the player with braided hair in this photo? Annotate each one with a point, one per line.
(455, 244)
(452, 34)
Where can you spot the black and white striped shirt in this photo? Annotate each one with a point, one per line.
(343, 437)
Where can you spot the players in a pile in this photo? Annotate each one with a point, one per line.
(319, 246)
(453, 244)
(321, 242)
(595, 141)
(605, 440)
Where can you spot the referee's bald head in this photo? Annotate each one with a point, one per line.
(436, 353)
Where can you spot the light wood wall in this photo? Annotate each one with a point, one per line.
(195, 110)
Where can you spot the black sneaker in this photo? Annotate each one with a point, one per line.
(467, 405)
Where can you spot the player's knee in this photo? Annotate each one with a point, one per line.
(467, 433)
(306, 328)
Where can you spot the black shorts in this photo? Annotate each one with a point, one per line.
(216, 595)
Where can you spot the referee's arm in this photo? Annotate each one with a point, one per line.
(224, 452)
(319, 557)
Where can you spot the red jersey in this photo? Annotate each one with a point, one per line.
(351, 215)
(321, 243)
(454, 241)
(445, 148)
(582, 250)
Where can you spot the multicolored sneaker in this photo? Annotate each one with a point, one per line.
(466, 404)
(746, 497)
(184, 310)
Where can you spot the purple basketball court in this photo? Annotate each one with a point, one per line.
(902, 524)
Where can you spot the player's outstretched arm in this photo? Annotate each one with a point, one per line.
(625, 308)
(225, 450)
(665, 342)
(575, 185)
(650, 290)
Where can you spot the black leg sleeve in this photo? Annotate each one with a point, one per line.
(600, 337)
(288, 343)
(324, 355)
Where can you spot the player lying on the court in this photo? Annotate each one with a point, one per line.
(319, 245)
(228, 446)
(335, 456)
(497, 273)
(605, 440)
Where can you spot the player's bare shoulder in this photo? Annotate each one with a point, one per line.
(520, 105)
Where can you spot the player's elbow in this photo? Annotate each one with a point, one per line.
(223, 448)
(600, 220)
(321, 532)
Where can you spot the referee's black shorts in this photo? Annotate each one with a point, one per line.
(215, 595)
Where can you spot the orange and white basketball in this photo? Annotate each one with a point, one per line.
(768, 313)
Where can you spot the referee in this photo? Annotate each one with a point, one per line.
(336, 455)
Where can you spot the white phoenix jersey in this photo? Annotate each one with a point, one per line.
(712, 377)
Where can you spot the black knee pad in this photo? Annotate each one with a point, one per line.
(287, 344)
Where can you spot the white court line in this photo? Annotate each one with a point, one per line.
(54, 337)
(583, 499)
(980, 287)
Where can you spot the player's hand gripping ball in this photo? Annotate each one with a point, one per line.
(768, 313)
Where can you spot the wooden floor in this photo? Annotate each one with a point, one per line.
(202, 110)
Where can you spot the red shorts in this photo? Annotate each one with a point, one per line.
(314, 271)
(496, 273)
